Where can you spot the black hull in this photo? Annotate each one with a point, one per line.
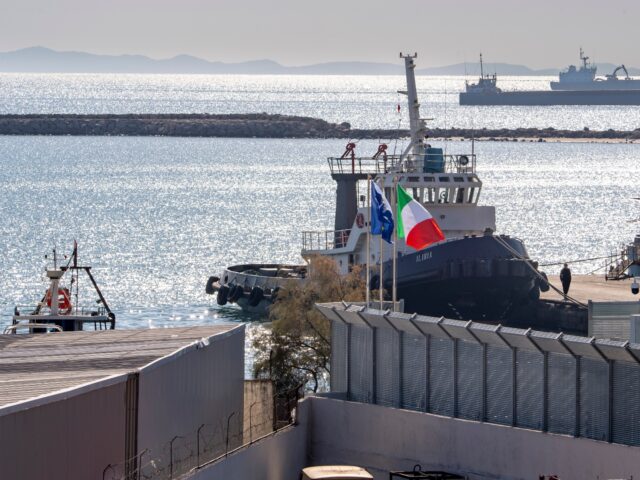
(475, 278)
(553, 97)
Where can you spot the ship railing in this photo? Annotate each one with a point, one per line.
(430, 163)
(435, 163)
(363, 165)
(325, 239)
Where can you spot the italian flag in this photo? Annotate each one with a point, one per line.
(415, 223)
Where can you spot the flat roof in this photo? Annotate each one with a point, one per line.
(40, 364)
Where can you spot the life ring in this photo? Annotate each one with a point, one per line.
(463, 160)
(64, 300)
(360, 220)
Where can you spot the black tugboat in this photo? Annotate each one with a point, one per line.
(472, 274)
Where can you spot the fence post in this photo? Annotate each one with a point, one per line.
(104, 472)
(140, 462)
(198, 445)
(484, 382)
(401, 368)
(455, 377)
(514, 381)
(428, 382)
(171, 455)
(545, 391)
(610, 406)
(250, 422)
(578, 399)
(227, 442)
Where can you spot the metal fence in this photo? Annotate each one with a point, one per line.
(578, 386)
(209, 442)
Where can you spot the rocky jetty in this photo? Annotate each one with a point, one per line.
(261, 126)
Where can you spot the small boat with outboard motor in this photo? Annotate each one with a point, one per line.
(472, 274)
(60, 307)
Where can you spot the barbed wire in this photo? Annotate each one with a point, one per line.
(208, 443)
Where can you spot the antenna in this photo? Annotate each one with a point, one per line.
(481, 68)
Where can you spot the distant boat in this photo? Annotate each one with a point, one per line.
(584, 78)
(575, 87)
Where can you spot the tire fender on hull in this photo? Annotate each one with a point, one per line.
(209, 288)
(256, 295)
(222, 295)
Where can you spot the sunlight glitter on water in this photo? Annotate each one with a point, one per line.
(365, 101)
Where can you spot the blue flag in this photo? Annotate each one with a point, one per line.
(381, 214)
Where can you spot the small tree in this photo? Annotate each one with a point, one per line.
(297, 349)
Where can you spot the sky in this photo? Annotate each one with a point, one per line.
(538, 34)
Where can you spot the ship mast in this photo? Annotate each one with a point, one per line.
(417, 126)
(583, 58)
(481, 67)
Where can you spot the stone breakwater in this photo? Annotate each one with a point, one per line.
(260, 126)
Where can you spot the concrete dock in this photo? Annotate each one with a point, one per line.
(592, 287)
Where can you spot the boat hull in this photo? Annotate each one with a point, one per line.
(553, 97)
(475, 278)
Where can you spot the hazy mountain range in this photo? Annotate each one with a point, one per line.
(45, 60)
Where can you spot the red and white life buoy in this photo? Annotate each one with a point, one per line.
(64, 300)
(360, 220)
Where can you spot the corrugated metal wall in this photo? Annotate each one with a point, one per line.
(499, 385)
(537, 380)
(529, 389)
(360, 364)
(339, 339)
(202, 385)
(441, 400)
(414, 372)
(387, 390)
(74, 437)
(611, 319)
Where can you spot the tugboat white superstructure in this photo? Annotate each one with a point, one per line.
(473, 274)
(58, 310)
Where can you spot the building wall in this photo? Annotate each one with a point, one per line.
(258, 409)
(383, 439)
(71, 437)
(280, 456)
(199, 385)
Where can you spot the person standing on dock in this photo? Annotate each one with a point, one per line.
(565, 278)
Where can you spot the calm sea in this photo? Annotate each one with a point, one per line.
(157, 216)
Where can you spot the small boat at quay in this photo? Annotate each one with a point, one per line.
(59, 308)
(254, 287)
(472, 274)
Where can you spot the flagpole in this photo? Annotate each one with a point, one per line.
(381, 258)
(394, 296)
(368, 225)
(381, 269)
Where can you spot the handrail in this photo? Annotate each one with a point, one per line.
(325, 239)
(430, 163)
(11, 329)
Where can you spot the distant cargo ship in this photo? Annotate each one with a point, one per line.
(576, 86)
